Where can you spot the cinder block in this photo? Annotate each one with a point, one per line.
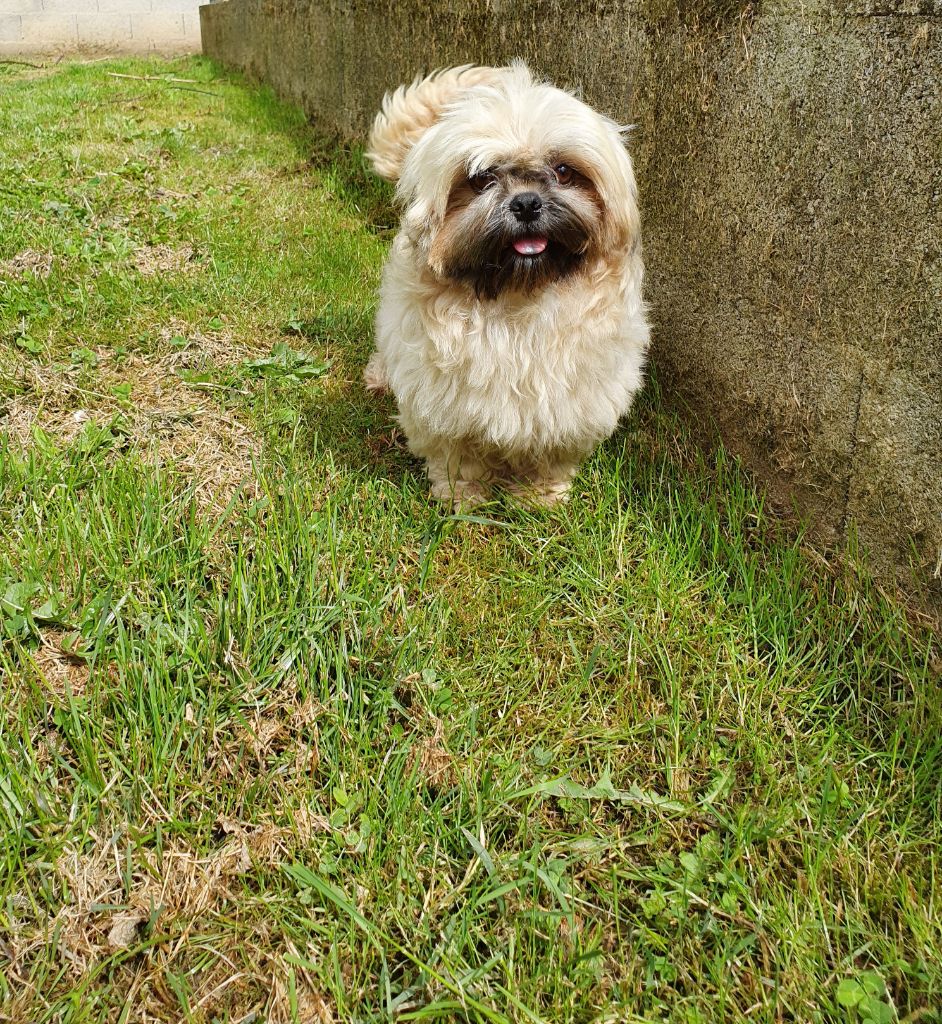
(69, 6)
(191, 25)
(124, 6)
(104, 29)
(153, 30)
(11, 29)
(176, 6)
(50, 30)
(10, 7)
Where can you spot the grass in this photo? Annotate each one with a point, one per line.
(280, 741)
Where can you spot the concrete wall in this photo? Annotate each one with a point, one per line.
(790, 162)
(43, 27)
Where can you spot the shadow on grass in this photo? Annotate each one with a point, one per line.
(357, 429)
(334, 163)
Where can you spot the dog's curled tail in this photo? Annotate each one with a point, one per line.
(408, 111)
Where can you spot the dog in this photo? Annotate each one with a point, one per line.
(511, 328)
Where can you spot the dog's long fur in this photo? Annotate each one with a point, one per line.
(504, 367)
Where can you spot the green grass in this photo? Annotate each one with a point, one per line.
(281, 741)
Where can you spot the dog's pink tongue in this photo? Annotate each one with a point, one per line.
(531, 246)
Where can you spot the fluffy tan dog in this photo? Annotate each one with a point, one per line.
(511, 327)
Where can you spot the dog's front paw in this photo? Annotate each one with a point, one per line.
(542, 492)
(552, 493)
(462, 495)
(546, 487)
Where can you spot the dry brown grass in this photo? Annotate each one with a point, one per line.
(118, 894)
(432, 761)
(29, 261)
(165, 259)
(429, 758)
(63, 670)
(114, 895)
(168, 419)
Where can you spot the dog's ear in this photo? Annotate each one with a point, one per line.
(622, 222)
(409, 111)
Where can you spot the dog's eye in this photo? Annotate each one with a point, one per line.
(483, 181)
(564, 174)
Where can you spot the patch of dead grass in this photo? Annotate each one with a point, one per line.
(29, 261)
(165, 259)
(202, 350)
(117, 898)
(139, 906)
(178, 883)
(312, 1006)
(63, 671)
(432, 761)
(167, 418)
(285, 730)
(429, 757)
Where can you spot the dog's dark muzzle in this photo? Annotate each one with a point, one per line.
(526, 207)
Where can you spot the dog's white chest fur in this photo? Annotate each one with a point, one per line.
(526, 376)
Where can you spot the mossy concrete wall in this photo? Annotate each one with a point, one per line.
(790, 163)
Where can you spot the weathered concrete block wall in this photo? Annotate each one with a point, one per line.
(790, 163)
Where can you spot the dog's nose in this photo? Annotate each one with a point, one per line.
(526, 206)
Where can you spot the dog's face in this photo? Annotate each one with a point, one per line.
(517, 187)
(518, 226)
